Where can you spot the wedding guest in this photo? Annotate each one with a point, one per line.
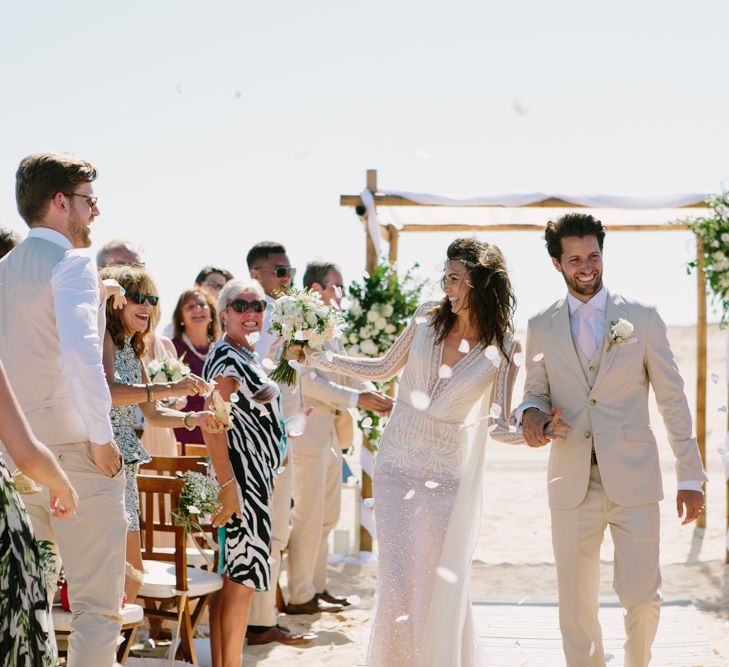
(195, 324)
(244, 459)
(317, 456)
(124, 346)
(117, 251)
(212, 279)
(269, 264)
(8, 240)
(52, 357)
(24, 610)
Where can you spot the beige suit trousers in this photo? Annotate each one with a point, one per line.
(576, 537)
(92, 548)
(263, 604)
(317, 492)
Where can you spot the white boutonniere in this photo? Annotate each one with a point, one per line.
(620, 332)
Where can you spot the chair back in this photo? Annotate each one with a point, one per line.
(175, 464)
(191, 449)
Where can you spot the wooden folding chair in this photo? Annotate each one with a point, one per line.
(172, 590)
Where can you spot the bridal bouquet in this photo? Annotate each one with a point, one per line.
(167, 369)
(301, 317)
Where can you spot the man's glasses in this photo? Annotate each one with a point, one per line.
(137, 297)
(280, 271)
(241, 306)
(91, 201)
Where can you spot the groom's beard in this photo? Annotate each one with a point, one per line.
(577, 287)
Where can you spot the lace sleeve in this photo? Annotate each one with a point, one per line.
(379, 369)
(499, 428)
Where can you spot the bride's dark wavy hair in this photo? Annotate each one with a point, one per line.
(491, 301)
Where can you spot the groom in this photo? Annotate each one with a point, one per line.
(594, 354)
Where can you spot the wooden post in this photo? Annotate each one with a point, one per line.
(701, 363)
(392, 253)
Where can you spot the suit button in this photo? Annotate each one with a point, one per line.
(591, 369)
(588, 434)
(592, 401)
(60, 457)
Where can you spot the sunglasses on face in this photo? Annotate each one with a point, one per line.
(137, 297)
(241, 306)
(281, 271)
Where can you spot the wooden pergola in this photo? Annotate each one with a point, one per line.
(391, 234)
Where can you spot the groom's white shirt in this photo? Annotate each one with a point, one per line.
(597, 322)
(80, 323)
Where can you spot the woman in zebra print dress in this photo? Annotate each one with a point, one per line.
(245, 460)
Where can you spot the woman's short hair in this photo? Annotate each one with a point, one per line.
(178, 326)
(207, 270)
(133, 278)
(237, 286)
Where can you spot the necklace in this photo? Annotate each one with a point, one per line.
(234, 343)
(193, 349)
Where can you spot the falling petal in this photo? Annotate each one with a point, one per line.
(353, 600)
(263, 412)
(268, 364)
(239, 93)
(369, 502)
(333, 451)
(295, 425)
(493, 427)
(280, 471)
(419, 400)
(334, 304)
(495, 411)
(295, 364)
(338, 292)
(464, 346)
(523, 600)
(449, 576)
(421, 320)
(554, 479)
(253, 337)
(715, 378)
(365, 274)
(234, 398)
(151, 642)
(367, 422)
(512, 428)
(491, 352)
(351, 481)
(538, 357)
(312, 375)
(445, 371)
(592, 649)
(518, 359)
(402, 619)
(431, 484)
(409, 494)
(271, 561)
(329, 355)
(496, 362)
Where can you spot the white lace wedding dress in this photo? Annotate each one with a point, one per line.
(427, 492)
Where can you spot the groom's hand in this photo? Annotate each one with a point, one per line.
(692, 501)
(533, 422)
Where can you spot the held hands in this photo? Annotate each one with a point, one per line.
(297, 352)
(191, 385)
(375, 401)
(229, 505)
(206, 421)
(540, 428)
(107, 458)
(64, 501)
(692, 501)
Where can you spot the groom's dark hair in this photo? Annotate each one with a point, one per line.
(571, 224)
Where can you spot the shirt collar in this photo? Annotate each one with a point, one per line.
(48, 234)
(599, 301)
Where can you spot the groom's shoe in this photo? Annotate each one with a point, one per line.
(314, 606)
(326, 596)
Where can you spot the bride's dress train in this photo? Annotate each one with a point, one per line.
(427, 492)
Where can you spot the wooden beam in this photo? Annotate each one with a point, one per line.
(392, 253)
(539, 228)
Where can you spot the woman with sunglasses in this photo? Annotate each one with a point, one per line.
(245, 460)
(195, 330)
(125, 343)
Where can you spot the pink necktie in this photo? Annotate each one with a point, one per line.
(585, 336)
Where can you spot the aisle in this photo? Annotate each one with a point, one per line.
(527, 634)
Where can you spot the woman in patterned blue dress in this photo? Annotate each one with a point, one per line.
(24, 637)
(245, 460)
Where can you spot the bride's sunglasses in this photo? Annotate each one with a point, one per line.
(137, 297)
(241, 306)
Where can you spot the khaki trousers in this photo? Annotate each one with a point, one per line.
(317, 491)
(576, 537)
(263, 603)
(92, 546)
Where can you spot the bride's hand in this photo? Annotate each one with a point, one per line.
(557, 429)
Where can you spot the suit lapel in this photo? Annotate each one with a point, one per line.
(563, 334)
(613, 313)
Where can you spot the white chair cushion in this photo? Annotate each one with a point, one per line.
(131, 614)
(194, 557)
(160, 582)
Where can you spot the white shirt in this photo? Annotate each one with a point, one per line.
(266, 340)
(80, 320)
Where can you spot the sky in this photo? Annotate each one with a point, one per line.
(217, 125)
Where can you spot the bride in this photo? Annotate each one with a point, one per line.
(459, 358)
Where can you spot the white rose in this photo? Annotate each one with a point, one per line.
(725, 237)
(372, 315)
(312, 319)
(623, 329)
(354, 350)
(355, 309)
(380, 323)
(388, 310)
(719, 256)
(353, 338)
(364, 333)
(317, 340)
(390, 329)
(369, 348)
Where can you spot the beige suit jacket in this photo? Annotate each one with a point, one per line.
(329, 393)
(613, 413)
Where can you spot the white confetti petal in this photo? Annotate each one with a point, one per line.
(271, 561)
(295, 364)
(234, 398)
(715, 378)
(409, 494)
(421, 320)
(351, 481)
(402, 619)
(268, 364)
(353, 600)
(329, 355)
(592, 649)
(295, 425)
(538, 357)
(554, 479)
(523, 600)
(495, 411)
(491, 352)
(367, 422)
(280, 471)
(312, 375)
(493, 427)
(419, 400)
(431, 484)
(464, 346)
(338, 292)
(253, 337)
(445, 371)
(449, 576)
(333, 451)
(512, 428)
(151, 642)
(518, 359)
(369, 502)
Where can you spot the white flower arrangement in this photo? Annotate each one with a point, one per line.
(301, 317)
(198, 498)
(620, 332)
(167, 369)
(49, 569)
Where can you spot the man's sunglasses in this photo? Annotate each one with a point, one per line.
(281, 271)
(137, 297)
(241, 306)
